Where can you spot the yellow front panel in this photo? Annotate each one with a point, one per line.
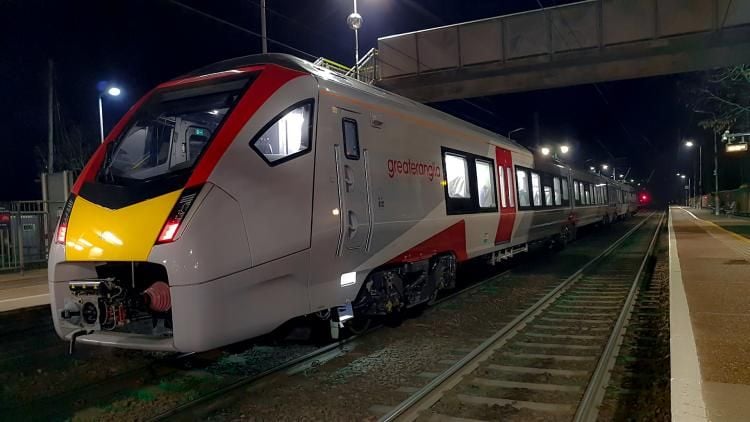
(96, 233)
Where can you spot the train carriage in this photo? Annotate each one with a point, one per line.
(264, 188)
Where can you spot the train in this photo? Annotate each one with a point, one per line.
(260, 189)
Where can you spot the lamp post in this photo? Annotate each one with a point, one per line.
(716, 163)
(514, 131)
(355, 22)
(687, 191)
(699, 192)
(112, 91)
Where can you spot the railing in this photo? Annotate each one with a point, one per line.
(365, 71)
(331, 65)
(26, 229)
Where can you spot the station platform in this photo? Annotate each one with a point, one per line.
(709, 316)
(22, 291)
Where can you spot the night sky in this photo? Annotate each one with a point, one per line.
(137, 44)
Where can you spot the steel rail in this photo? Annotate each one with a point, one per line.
(588, 407)
(310, 357)
(506, 332)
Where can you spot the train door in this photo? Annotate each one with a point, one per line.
(353, 183)
(506, 186)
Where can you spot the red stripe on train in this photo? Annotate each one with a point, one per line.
(507, 213)
(452, 239)
(268, 82)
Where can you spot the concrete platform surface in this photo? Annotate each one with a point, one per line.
(22, 291)
(710, 288)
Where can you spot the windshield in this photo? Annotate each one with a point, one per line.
(170, 131)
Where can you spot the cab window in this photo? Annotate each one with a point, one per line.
(287, 136)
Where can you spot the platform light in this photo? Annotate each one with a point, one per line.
(622, 176)
(564, 149)
(689, 144)
(604, 166)
(736, 147)
(545, 151)
(592, 168)
(347, 279)
(682, 176)
(335, 211)
(678, 174)
(114, 91)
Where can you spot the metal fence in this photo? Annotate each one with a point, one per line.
(26, 229)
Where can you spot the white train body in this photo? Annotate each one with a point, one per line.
(308, 192)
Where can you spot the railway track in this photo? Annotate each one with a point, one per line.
(553, 361)
(104, 391)
(196, 407)
(204, 405)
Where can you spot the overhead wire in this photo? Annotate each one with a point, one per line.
(623, 127)
(240, 28)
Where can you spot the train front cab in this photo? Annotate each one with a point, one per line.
(190, 226)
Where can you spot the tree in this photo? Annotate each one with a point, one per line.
(725, 95)
(73, 148)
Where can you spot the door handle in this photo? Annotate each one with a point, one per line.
(353, 224)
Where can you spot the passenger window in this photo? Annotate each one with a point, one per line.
(523, 188)
(351, 139)
(457, 175)
(536, 193)
(556, 184)
(501, 181)
(565, 190)
(485, 184)
(548, 195)
(287, 136)
(576, 192)
(510, 186)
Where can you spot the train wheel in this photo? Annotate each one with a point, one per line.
(562, 239)
(358, 324)
(442, 275)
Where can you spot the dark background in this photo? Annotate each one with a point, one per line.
(636, 124)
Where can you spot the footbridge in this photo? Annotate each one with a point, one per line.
(579, 43)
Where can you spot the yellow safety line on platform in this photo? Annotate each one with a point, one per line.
(735, 235)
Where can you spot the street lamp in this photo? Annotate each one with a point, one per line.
(355, 22)
(112, 91)
(699, 188)
(716, 163)
(552, 151)
(514, 131)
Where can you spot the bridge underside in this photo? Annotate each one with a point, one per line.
(578, 43)
(685, 53)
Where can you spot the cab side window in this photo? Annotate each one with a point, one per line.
(286, 136)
